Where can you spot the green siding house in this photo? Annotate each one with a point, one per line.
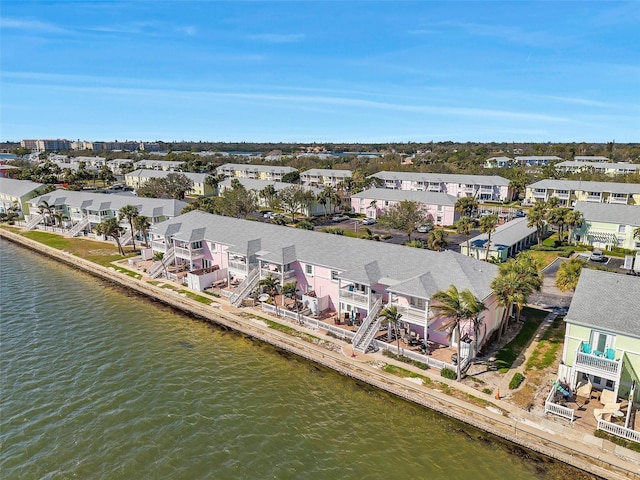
(606, 225)
(602, 339)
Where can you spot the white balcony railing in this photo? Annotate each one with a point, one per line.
(539, 194)
(189, 253)
(159, 246)
(562, 196)
(236, 265)
(619, 200)
(412, 313)
(354, 297)
(95, 218)
(598, 364)
(594, 198)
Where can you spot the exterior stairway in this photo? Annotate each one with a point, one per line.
(245, 287)
(34, 221)
(367, 331)
(158, 267)
(78, 227)
(126, 238)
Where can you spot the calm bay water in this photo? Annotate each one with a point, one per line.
(96, 384)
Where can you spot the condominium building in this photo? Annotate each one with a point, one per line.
(139, 177)
(324, 176)
(568, 192)
(607, 225)
(260, 172)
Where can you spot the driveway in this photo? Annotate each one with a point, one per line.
(549, 296)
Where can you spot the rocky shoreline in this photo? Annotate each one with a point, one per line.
(597, 457)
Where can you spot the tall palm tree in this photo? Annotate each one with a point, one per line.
(569, 274)
(456, 307)
(142, 224)
(130, 212)
(536, 218)
(289, 291)
(465, 225)
(573, 219)
(46, 210)
(110, 227)
(437, 239)
(488, 225)
(392, 318)
(466, 206)
(374, 207)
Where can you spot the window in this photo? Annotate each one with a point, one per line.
(610, 384)
(206, 263)
(309, 269)
(334, 275)
(622, 229)
(196, 245)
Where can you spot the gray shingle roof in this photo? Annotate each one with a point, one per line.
(431, 198)
(328, 172)
(494, 180)
(143, 173)
(18, 188)
(607, 300)
(609, 187)
(507, 234)
(148, 207)
(610, 213)
(393, 263)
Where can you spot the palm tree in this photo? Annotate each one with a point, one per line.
(46, 210)
(465, 225)
(270, 285)
(466, 205)
(437, 240)
(130, 212)
(392, 318)
(142, 224)
(636, 233)
(572, 219)
(374, 207)
(569, 274)
(111, 228)
(456, 307)
(488, 225)
(536, 218)
(268, 193)
(289, 290)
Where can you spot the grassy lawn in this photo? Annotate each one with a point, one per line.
(509, 353)
(545, 353)
(401, 372)
(543, 258)
(101, 253)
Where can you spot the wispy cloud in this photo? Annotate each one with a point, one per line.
(278, 37)
(512, 34)
(150, 29)
(31, 26)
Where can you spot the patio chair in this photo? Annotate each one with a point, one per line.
(610, 353)
(583, 394)
(586, 348)
(607, 396)
(605, 412)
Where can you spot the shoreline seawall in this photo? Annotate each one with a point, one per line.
(588, 457)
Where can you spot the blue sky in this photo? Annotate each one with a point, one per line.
(322, 71)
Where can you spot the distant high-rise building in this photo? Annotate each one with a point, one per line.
(46, 145)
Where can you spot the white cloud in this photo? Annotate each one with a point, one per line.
(31, 26)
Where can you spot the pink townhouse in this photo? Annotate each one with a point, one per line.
(353, 277)
(440, 207)
(483, 187)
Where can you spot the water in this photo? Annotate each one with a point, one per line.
(96, 384)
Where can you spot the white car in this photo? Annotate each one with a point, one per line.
(368, 221)
(340, 218)
(425, 228)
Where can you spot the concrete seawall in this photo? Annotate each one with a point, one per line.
(610, 462)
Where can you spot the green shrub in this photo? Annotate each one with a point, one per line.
(305, 225)
(488, 391)
(448, 373)
(515, 382)
(334, 230)
(402, 358)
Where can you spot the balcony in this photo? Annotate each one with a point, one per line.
(598, 365)
(539, 194)
(159, 246)
(238, 265)
(621, 200)
(189, 253)
(562, 195)
(354, 297)
(412, 314)
(95, 218)
(594, 198)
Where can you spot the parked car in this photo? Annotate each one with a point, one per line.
(425, 228)
(368, 221)
(268, 215)
(597, 256)
(340, 218)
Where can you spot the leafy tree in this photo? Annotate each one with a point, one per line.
(457, 307)
(392, 318)
(106, 175)
(142, 225)
(465, 225)
(437, 239)
(130, 213)
(154, 188)
(237, 201)
(405, 216)
(110, 227)
(204, 204)
(177, 185)
(568, 274)
(413, 243)
(488, 225)
(291, 177)
(295, 199)
(269, 195)
(466, 206)
(536, 217)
